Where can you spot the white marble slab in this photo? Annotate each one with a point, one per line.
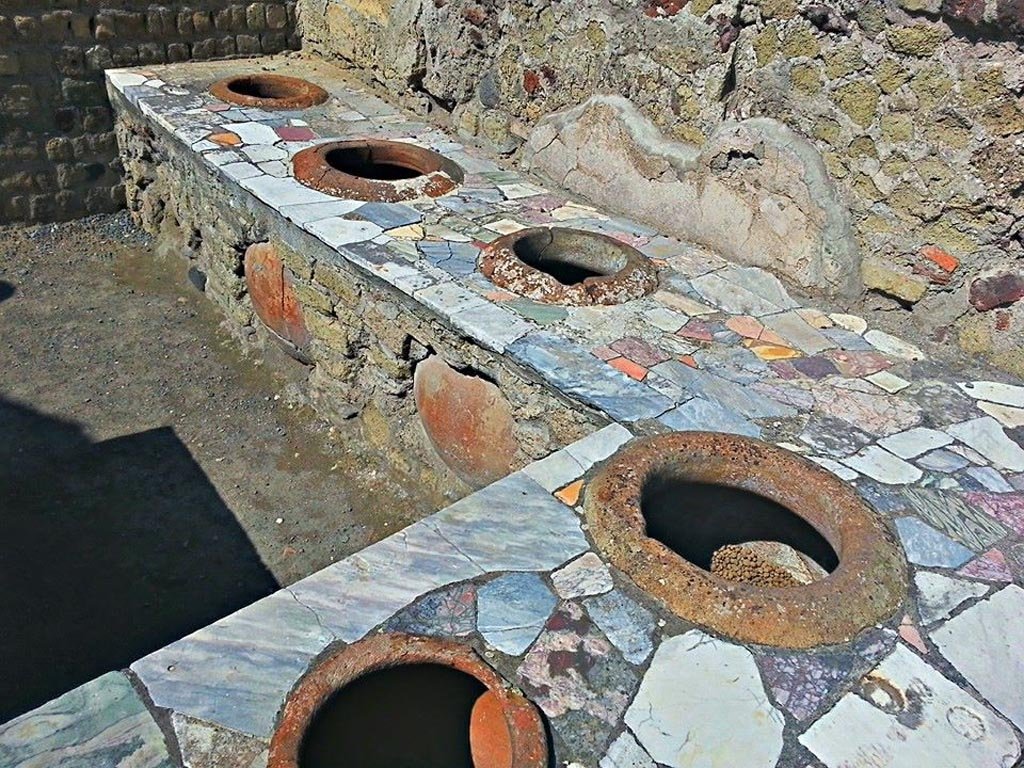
(907, 714)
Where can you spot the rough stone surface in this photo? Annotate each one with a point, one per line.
(679, 724)
(784, 201)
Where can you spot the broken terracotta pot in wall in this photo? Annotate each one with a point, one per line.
(273, 297)
(468, 420)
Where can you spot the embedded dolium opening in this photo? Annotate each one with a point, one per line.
(557, 265)
(366, 163)
(704, 522)
(269, 91)
(376, 170)
(568, 256)
(397, 701)
(746, 538)
(415, 716)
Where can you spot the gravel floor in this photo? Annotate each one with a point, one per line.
(152, 478)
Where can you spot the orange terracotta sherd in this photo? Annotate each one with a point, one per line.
(940, 258)
(273, 296)
(571, 493)
(489, 739)
(467, 419)
(628, 367)
(226, 139)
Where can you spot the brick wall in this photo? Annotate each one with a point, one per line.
(58, 152)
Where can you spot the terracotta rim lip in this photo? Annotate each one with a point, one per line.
(437, 174)
(500, 263)
(303, 93)
(867, 586)
(343, 666)
(290, 348)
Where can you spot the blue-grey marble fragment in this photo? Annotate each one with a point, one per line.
(493, 326)
(573, 370)
(555, 471)
(237, 671)
(512, 609)
(387, 215)
(355, 595)
(702, 414)
(926, 546)
(599, 445)
(736, 397)
(625, 622)
(941, 460)
(847, 340)
(512, 525)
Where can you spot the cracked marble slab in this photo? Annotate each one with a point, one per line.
(237, 671)
(907, 713)
(678, 720)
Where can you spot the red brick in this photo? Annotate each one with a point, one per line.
(939, 257)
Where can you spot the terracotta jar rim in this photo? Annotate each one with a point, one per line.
(282, 91)
(526, 734)
(432, 174)
(866, 587)
(634, 275)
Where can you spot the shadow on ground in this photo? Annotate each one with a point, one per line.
(109, 550)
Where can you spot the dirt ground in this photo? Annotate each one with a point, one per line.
(152, 477)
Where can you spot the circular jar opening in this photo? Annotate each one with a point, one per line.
(746, 538)
(557, 265)
(734, 533)
(269, 91)
(397, 700)
(411, 715)
(568, 256)
(372, 170)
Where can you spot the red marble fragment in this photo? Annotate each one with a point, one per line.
(658, 9)
(296, 133)
(996, 291)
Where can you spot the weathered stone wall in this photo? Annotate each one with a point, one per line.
(58, 154)
(914, 107)
(366, 340)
